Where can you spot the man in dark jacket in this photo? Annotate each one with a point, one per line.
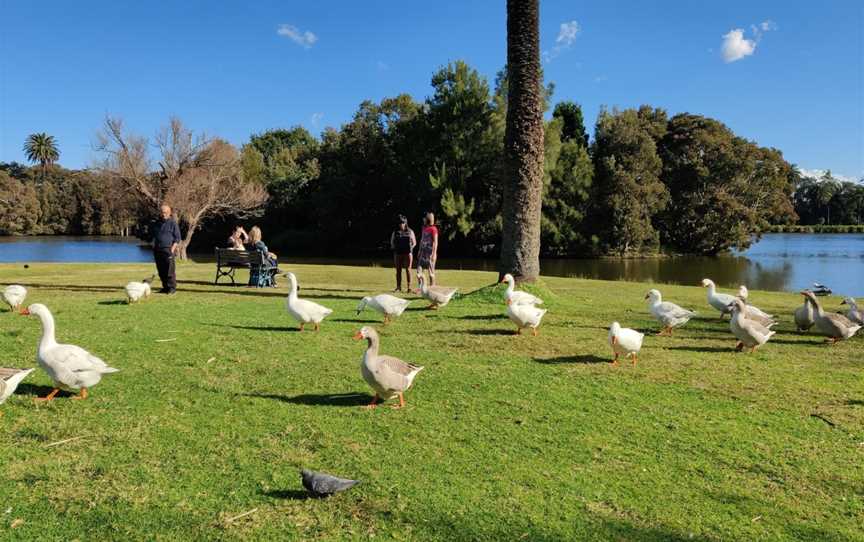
(166, 236)
(402, 242)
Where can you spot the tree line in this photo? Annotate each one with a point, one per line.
(647, 180)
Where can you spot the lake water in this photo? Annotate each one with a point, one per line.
(780, 261)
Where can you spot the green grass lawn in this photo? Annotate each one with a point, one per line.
(504, 437)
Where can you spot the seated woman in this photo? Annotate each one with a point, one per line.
(255, 243)
(238, 238)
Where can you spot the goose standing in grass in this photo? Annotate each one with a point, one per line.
(805, 315)
(750, 333)
(9, 380)
(752, 311)
(438, 296)
(136, 291)
(14, 296)
(668, 314)
(721, 302)
(388, 376)
(518, 297)
(69, 366)
(303, 310)
(835, 326)
(388, 305)
(624, 341)
(525, 316)
(854, 314)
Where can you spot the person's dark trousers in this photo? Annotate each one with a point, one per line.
(402, 261)
(165, 266)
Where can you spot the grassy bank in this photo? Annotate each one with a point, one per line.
(819, 228)
(220, 401)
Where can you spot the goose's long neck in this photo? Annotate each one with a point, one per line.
(510, 286)
(372, 349)
(47, 330)
(293, 293)
(712, 290)
(817, 306)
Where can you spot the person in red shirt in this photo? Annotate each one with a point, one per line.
(427, 254)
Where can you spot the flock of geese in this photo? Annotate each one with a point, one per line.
(72, 367)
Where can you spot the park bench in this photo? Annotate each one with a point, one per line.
(228, 261)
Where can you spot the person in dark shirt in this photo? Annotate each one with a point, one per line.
(165, 239)
(402, 242)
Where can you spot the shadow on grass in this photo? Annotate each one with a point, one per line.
(854, 402)
(78, 287)
(258, 328)
(353, 399)
(484, 331)
(480, 317)
(704, 348)
(799, 343)
(585, 358)
(290, 494)
(356, 321)
(40, 391)
(114, 302)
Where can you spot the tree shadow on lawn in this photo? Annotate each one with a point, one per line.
(585, 358)
(78, 287)
(480, 317)
(352, 399)
(114, 302)
(355, 321)
(482, 331)
(40, 391)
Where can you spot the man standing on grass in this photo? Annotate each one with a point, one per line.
(165, 239)
(402, 242)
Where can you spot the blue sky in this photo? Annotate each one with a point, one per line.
(791, 78)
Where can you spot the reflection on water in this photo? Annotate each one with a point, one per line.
(780, 261)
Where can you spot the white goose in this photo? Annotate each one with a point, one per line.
(752, 311)
(69, 366)
(625, 341)
(525, 316)
(854, 312)
(805, 315)
(388, 305)
(518, 297)
(9, 380)
(136, 291)
(668, 314)
(438, 296)
(721, 302)
(14, 296)
(388, 376)
(749, 332)
(303, 310)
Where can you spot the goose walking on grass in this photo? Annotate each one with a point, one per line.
(668, 314)
(518, 297)
(854, 314)
(9, 380)
(525, 316)
(69, 366)
(438, 296)
(14, 295)
(805, 315)
(388, 305)
(136, 291)
(625, 341)
(719, 301)
(753, 312)
(750, 333)
(835, 326)
(303, 310)
(390, 377)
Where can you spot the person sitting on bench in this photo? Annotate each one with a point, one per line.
(255, 243)
(238, 238)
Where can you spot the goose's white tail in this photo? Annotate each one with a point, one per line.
(16, 379)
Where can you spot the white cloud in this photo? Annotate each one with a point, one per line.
(567, 34)
(818, 173)
(736, 46)
(382, 66)
(315, 119)
(601, 78)
(304, 39)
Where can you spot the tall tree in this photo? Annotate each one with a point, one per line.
(523, 143)
(41, 148)
(573, 124)
(199, 177)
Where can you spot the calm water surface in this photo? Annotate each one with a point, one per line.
(780, 261)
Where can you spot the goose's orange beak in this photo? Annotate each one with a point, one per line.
(357, 336)
(25, 312)
(509, 302)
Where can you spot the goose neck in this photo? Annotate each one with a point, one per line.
(48, 338)
(372, 348)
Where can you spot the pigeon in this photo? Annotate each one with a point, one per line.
(322, 484)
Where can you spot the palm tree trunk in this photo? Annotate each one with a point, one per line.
(523, 146)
